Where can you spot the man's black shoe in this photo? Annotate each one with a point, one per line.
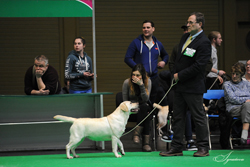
(171, 152)
(201, 153)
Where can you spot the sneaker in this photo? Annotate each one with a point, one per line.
(191, 146)
(168, 137)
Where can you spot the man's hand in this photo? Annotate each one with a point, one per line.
(40, 92)
(43, 92)
(39, 73)
(176, 77)
(221, 72)
(220, 79)
(161, 64)
(247, 101)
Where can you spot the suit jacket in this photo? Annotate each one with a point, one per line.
(191, 69)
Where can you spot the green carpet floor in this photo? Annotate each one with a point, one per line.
(225, 158)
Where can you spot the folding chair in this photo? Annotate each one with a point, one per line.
(212, 94)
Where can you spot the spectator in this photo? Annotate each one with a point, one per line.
(215, 39)
(137, 88)
(78, 68)
(41, 78)
(146, 49)
(247, 74)
(237, 98)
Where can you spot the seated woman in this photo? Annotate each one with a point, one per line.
(237, 98)
(247, 74)
(137, 89)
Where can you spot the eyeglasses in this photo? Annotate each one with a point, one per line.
(190, 22)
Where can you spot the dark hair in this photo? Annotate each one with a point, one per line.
(134, 87)
(184, 27)
(239, 67)
(83, 40)
(199, 18)
(148, 21)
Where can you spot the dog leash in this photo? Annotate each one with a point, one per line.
(213, 83)
(212, 86)
(172, 84)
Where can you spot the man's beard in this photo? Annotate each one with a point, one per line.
(217, 45)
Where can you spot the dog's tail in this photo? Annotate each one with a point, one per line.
(64, 118)
(157, 106)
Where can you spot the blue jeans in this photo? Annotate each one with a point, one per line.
(80, 91)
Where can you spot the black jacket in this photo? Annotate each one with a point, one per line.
(191, 70)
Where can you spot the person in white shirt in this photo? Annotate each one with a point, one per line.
(216, 39)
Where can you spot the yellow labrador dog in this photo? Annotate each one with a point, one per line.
(99, 129)
(162, 116)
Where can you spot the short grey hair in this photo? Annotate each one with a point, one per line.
(42, 58)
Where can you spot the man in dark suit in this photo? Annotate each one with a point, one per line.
(193, 55)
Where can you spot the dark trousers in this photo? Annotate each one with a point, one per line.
(154, 89)
(188, 129)
(183, 101)
(143, 112)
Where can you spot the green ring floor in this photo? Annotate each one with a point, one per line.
(225, 158)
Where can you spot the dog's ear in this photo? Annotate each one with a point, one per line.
(123, 107)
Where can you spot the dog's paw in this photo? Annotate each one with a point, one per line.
(76, 156)
(118, 156)
(70, 157)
